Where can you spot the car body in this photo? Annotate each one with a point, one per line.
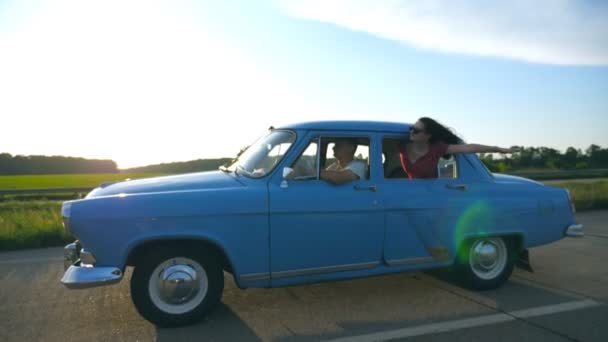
(270, 221)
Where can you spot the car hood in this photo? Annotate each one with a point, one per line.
(500, 178)
(191, 181)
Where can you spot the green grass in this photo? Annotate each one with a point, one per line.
(544, 174)
(31, 224)
(65, 181)
(587, 196)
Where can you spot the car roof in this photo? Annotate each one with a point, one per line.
(351, 125)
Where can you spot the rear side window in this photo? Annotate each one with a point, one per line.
(447, 166)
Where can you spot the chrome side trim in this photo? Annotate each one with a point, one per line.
(77, 277)
(575, 230)
(254, 276)
(326, 269)
(410, 261)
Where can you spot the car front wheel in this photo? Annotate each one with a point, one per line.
(174, 288)
(485, 263)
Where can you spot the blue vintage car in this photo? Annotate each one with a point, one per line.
(270, 221)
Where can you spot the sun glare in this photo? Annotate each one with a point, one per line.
(135, 82)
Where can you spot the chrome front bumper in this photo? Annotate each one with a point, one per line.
(575, 230)
(81, 275)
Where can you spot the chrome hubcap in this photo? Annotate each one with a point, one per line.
(178, 285)
(488, 257)
(485, 255)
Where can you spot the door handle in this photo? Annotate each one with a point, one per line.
(461, 187)
(371, 188)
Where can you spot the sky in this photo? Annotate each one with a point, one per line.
(145, 82)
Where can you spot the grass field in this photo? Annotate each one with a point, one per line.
(587, 196)
(31, 224)
(542, 175)
(65, 181)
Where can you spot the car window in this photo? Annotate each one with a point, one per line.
(305, 167)
(263, 155)
(391, 160)
(447, 166)
(361, 155)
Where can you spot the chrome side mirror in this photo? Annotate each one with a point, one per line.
(287, 171)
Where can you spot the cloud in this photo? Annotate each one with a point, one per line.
(566, 32)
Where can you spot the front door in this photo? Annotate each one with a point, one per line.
(317, 227)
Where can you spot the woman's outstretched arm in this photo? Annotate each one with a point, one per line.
(476, 148)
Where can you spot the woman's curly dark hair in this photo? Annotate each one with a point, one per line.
(439, 132)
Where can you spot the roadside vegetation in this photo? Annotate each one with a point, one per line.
(541, 162)
(31, 224)
(587, 196)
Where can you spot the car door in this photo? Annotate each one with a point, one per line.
(317, 227)
(423, 215)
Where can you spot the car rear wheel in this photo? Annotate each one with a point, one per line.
(173, 287)
(485, 263)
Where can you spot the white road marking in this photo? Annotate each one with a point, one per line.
(552, 309)
(30, 260)
(440, 327)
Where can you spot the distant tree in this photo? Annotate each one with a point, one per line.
(593, 148)
(570, 158)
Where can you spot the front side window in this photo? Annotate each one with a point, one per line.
(305, 167)
(351, 154)
(262, 156)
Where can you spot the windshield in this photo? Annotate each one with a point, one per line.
(262, 156)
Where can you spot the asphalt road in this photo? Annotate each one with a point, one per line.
(565, 299)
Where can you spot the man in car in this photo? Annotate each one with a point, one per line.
(346, 168)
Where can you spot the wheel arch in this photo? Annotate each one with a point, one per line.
(514, 240)
(139, 249)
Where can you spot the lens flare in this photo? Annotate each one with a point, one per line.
(477, 219)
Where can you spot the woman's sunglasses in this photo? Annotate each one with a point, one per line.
(415, 130)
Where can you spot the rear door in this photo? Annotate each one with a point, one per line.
(422, 216)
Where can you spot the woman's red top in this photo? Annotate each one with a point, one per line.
(425, 166)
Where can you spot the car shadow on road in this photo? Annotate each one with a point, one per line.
(222, 325)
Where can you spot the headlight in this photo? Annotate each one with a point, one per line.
(66, 211)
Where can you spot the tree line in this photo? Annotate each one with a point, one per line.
(181, 167)
(594, 157)
(548, 158)
(31, 165)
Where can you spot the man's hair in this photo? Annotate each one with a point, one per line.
(350, 141)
